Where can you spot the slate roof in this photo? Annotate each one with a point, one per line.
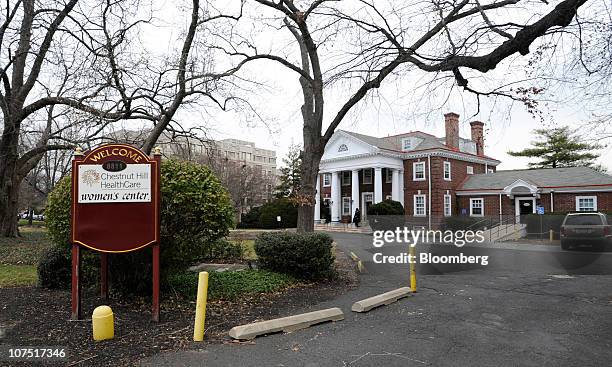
(394, 143)
(542, 178)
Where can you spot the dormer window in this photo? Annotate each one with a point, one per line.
(406, 144)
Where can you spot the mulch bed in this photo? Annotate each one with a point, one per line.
(40, 317)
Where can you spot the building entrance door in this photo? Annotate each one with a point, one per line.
(367, 198)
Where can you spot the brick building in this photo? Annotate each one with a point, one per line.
(435, 178)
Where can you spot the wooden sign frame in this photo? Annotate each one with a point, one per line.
(119, 214)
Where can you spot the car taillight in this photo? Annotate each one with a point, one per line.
(606, 231)
(562, 231)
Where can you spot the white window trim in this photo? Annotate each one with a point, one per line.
(371, 176)
(345, 200)
(472, 207)
(414, 206)
(388, 175)
(346, 180)
(447, 164)
(414, 177)
(329, 181)
(586, 197)
(450, 205)
(469, 170)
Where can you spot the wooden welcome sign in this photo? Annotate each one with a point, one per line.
(115, 209)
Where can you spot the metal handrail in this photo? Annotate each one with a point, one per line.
(505, 224)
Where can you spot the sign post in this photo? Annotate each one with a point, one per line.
(115, 209)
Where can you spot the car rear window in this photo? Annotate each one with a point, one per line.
(584, 220)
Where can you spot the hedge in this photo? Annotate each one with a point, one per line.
(302, 255)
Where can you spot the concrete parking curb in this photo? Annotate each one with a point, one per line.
(381, 299)
(286, 324)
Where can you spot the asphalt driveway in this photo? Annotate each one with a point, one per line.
(528, 307)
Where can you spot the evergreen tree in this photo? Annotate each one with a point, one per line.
(291, 174)
(559, 147)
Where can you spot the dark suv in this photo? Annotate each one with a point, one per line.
(586, 229)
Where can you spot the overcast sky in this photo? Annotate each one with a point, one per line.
(400, 105)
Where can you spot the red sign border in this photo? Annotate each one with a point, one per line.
(155, 191)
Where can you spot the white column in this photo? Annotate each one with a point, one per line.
(378, 185)
(401, 186)
(335, 197)
(395, 190)
(355, 191)
(317, 213)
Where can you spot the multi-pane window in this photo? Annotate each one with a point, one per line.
(419, 206)
(447, 171)
(346, 178)
(346, 205)
(477, 207)
(388, 175)
(326, 179)
(586, 203)
(418, 171)
(447, 205)
(367, 176)
(470, 170)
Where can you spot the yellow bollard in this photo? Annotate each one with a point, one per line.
(103, 323)
(413, 283)
(200, 316)
(551, 235)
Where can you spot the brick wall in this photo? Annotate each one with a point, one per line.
(565, 202)
(439, 186)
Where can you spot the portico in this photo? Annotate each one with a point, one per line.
(353, 175)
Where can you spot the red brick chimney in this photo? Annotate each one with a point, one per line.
(451, 121)
(477, 136)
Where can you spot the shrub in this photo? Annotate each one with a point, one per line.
(54, 269)
(230, 284)
(225, 250)
(58, 212)
(195, 213)
(386, 215)
(386, 207)
(265, 216)
(302, 255)
(250, 219)
(284, 208)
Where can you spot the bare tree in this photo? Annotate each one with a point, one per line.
(85, 59)
(247, 184)
(362, 43)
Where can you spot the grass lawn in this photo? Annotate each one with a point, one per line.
(35, 223)
(17, 275)
(19, 256)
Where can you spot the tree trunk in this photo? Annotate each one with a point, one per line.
(9, 191)
(9, 182)
(313, 151)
